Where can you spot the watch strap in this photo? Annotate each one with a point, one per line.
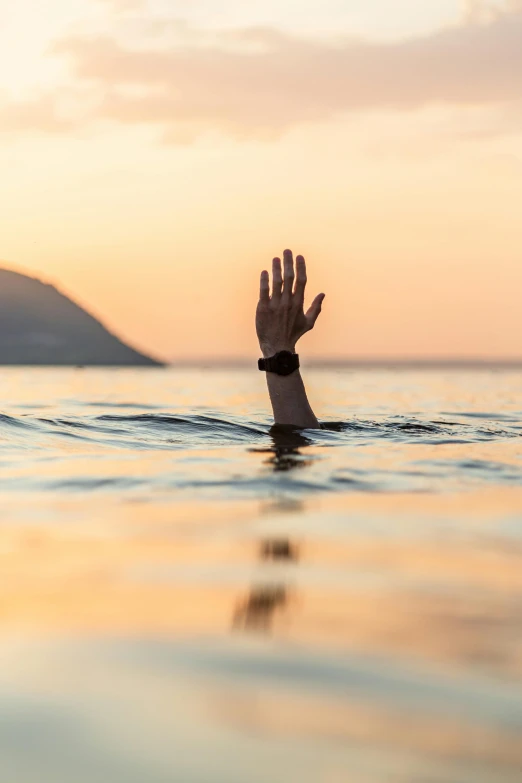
(282, 363)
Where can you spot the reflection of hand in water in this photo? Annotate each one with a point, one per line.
(288, 438)
(282, 505)
(279, 549)
(257, 611)
(285, 449)
(283, 460)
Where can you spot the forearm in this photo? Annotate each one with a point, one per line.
(289, 401)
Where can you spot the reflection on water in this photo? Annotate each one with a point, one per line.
(284, 451)
(279, 549)
(258, 610)
(189, 594)
(286, 459)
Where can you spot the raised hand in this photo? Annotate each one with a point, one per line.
(280, 318)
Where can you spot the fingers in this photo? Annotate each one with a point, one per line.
(277, 278)
(300, 280)
(264, 287)
(312, 314)
(285, 287)
(289, 274)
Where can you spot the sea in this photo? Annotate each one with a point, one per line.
(190, 595)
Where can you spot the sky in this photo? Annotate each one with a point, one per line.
(156, 154)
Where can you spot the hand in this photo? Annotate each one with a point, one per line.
(280, 318)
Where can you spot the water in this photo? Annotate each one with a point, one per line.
(188, 596)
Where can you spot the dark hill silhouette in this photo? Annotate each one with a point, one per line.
(39, 325)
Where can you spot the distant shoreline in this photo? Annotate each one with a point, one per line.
(362, 364)
(312, 364)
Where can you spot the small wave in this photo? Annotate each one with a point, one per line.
(488, 415)
(209, 428)
(413, 430)
(15, 421)
(161, 430)
(121, 405)
(296, 462)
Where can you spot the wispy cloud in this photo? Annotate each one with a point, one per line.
(486, 10)
(124, 5)
(40, 115)
(261, 81)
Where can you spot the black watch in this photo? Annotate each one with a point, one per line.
(282, 363)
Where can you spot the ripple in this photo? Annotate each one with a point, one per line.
(343, 456)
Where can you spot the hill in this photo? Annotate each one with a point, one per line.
(41, 326)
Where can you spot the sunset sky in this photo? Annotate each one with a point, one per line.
(155, 155)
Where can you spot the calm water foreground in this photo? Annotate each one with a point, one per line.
(186, 597)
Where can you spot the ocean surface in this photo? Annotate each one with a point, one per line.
(189, 596)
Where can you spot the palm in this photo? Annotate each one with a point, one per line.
(280, 317)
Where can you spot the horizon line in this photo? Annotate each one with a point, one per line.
(350, 361)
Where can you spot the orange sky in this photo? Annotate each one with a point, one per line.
(155, 155)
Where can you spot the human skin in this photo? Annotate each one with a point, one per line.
(280, 322)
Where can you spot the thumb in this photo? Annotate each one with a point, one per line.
(312, 314)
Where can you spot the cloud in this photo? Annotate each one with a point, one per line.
(260, 82)
(120, 6)
(40, 115)
(484, 11)
(290, 80)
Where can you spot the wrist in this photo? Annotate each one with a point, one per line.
(270, 349)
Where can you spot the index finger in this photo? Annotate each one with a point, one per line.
(277, 279)
(264, 287)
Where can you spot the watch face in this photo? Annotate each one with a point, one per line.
(286, 363)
